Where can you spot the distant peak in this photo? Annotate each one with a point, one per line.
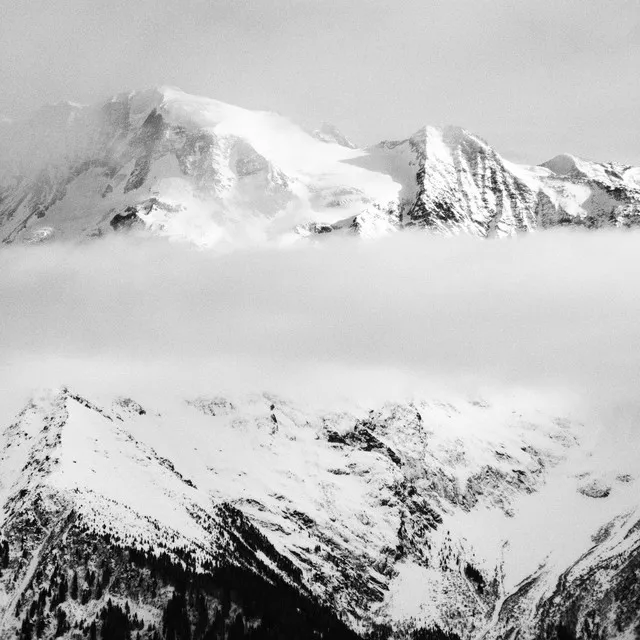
(328, 132)
(451, 136)
(562, 164)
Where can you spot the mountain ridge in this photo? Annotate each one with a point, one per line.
(215, 174)
(369, 518)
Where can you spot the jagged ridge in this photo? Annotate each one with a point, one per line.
(341, 510)
(197, 168)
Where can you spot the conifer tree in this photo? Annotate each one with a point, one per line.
(4, 554)
(73, 591)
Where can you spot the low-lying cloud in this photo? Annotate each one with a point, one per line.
(555, 310)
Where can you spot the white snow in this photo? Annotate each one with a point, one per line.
(305, 179)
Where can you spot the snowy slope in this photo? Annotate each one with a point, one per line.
(187, 166)
(400, 516)
(196, 168)
(454, 182)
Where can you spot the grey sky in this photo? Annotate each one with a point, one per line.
(533, 78)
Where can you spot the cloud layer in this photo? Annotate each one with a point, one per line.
(556, 312)
(552, 306)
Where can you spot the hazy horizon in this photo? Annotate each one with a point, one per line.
(533, 80)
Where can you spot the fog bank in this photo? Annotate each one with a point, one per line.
(556, 311)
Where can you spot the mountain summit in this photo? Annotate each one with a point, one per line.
(196, 168)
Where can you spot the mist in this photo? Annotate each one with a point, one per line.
(544, 311)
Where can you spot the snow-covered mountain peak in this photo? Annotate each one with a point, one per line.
(197, 168)
(563, 164)
(450, 135)
(184, 108)
(400, 515)
(613, 175)
(328, 132)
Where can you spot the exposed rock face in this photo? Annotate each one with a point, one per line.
(225, 174)
(463, 185)
(292, 523)
(594, 489)
(126, 220)
(596, 597)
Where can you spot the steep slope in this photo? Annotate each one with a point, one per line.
(454, 182)
(199, 169)
(141, 549)
(182, 165)
(290, 518)
(597, 596)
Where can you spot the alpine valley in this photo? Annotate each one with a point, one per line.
(259, 514)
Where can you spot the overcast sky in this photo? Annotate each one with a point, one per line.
(533, 78)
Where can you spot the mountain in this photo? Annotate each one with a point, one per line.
(330, 133)
(226, 517)
(463, 185)
(181, 165)
(212, 173)
(196, 517)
